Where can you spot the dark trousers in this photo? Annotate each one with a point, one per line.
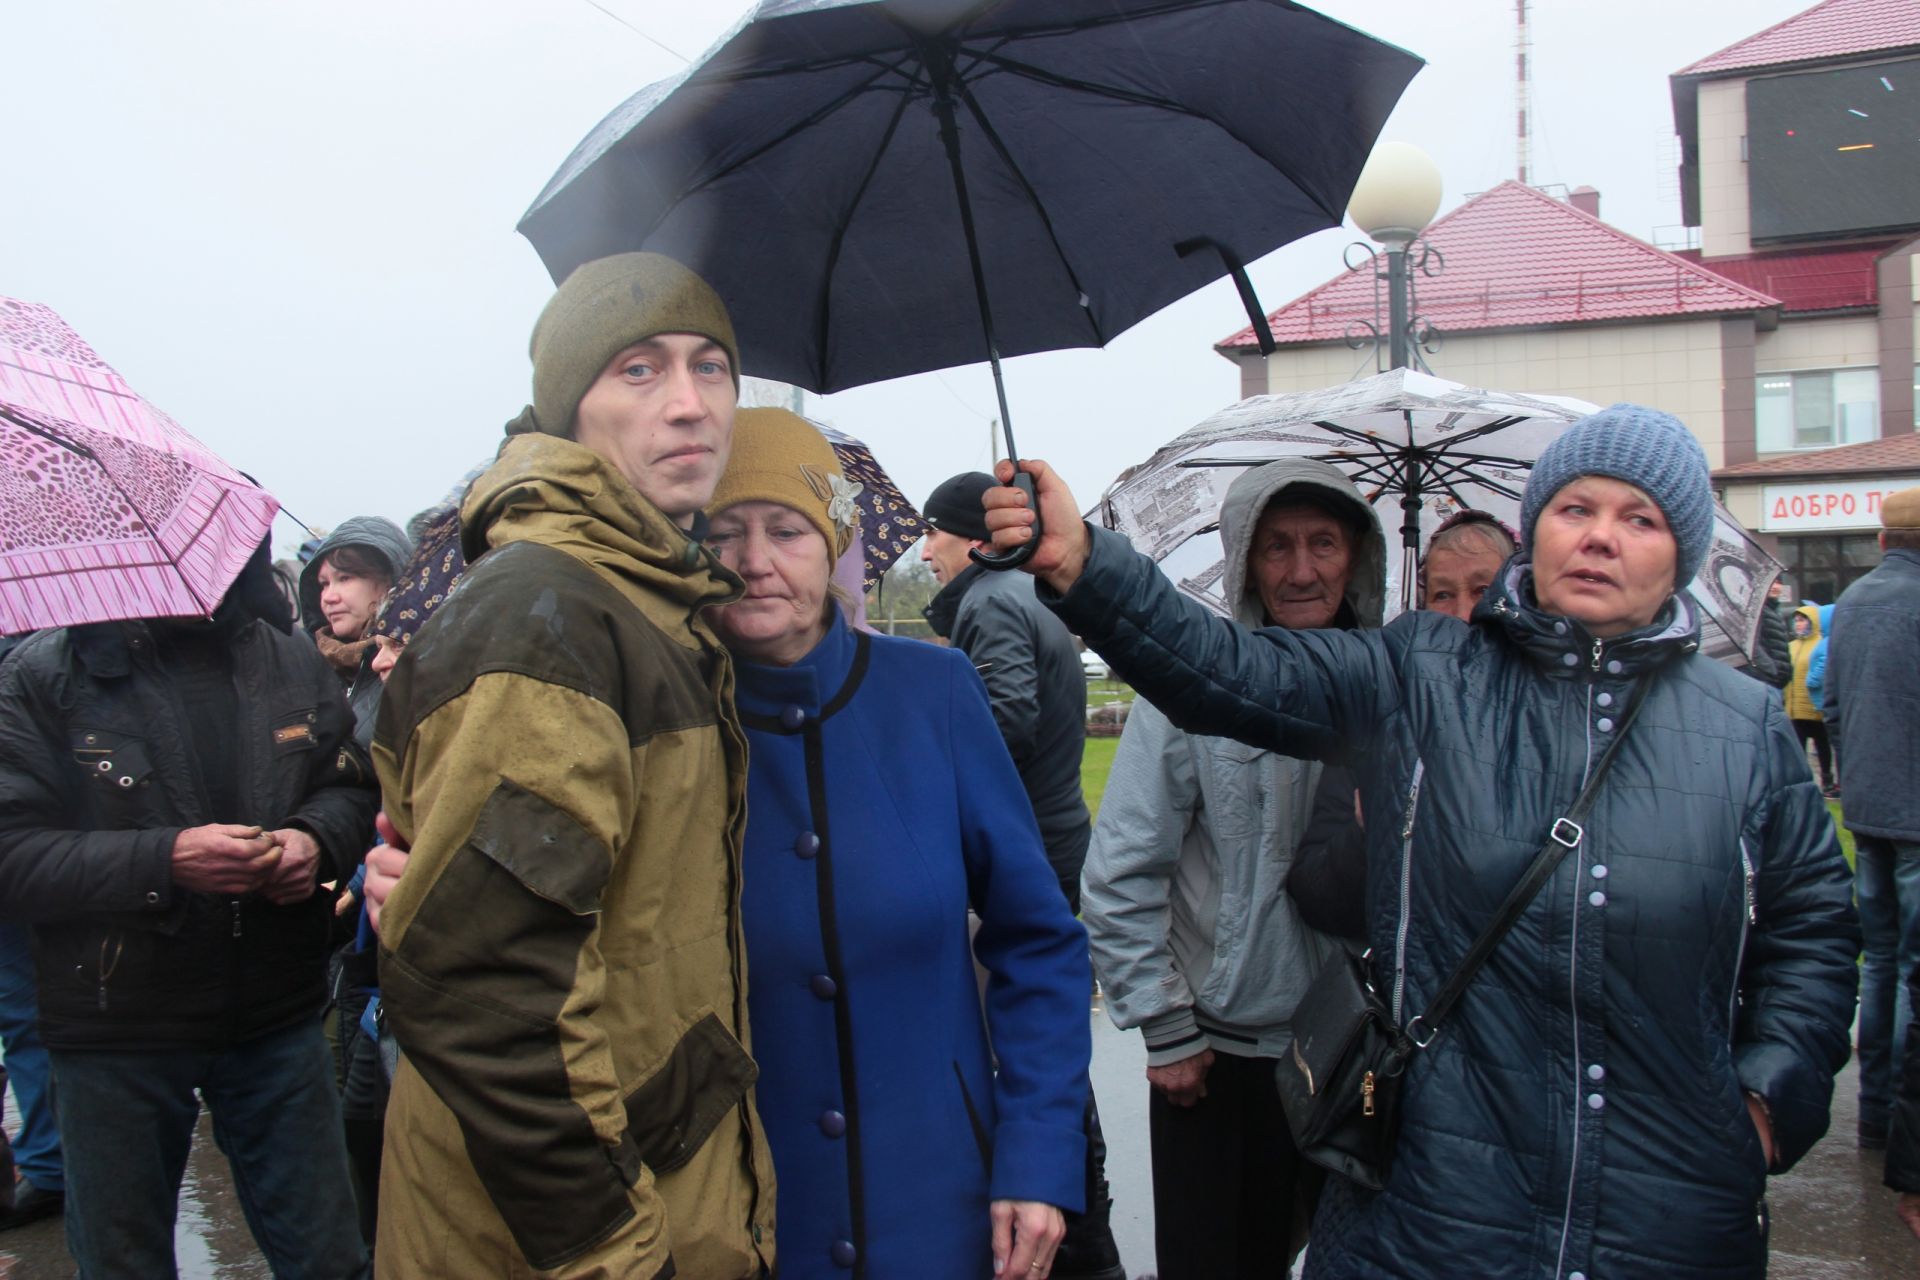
(1886, 886)
(1225, 1177)
(126, 1125)
(1815, 731)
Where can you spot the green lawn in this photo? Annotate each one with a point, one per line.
(1094, 764)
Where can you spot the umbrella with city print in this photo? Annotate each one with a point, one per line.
(1419, 448)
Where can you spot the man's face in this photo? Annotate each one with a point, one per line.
(1300, 561)
(662, 413)
(945, 553)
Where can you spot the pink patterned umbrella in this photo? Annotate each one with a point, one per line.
(108, 508)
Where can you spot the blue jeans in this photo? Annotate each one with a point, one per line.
(1886, 885)
(36, 1148)
(127, 1121)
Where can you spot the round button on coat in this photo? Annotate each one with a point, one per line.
(806, 844)
(1605, 699)
(824, 986)
(1596, 1072)
(1597, 898)
(833, 1124)
(1605, 725)
(843, 1254)
(792, 718)
(1595, 1101)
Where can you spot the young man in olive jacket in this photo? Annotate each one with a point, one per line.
(563, 963)
(171, 792)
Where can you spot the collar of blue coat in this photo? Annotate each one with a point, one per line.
(785, 699)
(1550, 640)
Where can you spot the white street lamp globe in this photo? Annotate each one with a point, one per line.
(1398, 193)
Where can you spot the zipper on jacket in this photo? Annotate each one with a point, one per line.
(1406, 889)
(1593, 664)
(1748, 918)
(236, 917)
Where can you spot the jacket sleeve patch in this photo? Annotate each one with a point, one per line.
(705, 1076)
(543, 847)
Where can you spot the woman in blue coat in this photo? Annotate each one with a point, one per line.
(881, 805)
(1660, 1029)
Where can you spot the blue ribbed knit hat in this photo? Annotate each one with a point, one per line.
(1646, 448)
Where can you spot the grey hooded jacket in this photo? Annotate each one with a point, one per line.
(386, 539)
(1195, 938)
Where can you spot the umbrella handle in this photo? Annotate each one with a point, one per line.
(998, 560)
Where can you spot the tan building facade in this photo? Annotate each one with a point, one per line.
(1776, 346)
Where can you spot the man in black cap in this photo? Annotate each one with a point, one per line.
(1038, 691)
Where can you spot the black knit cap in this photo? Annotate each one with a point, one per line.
(955, 507)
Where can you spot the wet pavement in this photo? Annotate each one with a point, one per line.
(1832, 1220)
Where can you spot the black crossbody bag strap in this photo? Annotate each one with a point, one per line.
(1566, 835)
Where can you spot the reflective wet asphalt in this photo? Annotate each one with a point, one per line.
(1832, 1220)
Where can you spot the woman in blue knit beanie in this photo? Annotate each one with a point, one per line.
(1658, 1030)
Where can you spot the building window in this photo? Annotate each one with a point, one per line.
(1822, 565)
(1816, 410)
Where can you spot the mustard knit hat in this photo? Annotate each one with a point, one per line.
(601, 309)
(778, 456)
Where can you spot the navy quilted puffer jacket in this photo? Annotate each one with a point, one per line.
(1581, 1116)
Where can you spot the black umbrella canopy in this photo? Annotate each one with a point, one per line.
(1115, 155)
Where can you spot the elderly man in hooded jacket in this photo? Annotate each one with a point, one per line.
(1195, 937)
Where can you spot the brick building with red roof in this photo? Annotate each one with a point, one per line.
(1788, 332)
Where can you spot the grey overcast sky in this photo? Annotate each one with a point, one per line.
(291, 225)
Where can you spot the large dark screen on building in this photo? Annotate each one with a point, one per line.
(1834, 152)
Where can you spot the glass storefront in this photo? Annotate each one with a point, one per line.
(1822, 565)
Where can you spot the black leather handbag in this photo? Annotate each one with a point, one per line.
(1340, 1080)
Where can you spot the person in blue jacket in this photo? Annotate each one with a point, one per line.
(1660, 1029)
(881, 805)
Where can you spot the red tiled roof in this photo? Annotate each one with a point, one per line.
(1517, 257)
(1831, 29)
(1893, 453)
(1830, 279)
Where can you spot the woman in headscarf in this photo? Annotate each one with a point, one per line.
(1660, 1028)
(881, 804)
(1463, 558)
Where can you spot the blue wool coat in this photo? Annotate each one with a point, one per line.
(881, 802)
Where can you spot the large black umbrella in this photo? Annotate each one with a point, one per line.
(883, 187)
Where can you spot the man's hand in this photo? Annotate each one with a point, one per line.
(385, 862)
(293, 880)
(1063, 548)
(1184, 1082)
(224, 858)
(1909, 1211)
(1026, 1235)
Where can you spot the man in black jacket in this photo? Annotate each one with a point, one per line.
(1038, 692)
(1030, 663)
(1773, 664)
(1873, 700)
(171, 792)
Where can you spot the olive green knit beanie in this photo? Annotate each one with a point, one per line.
(601, 309)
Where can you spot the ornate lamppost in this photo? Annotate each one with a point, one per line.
(1397, 195)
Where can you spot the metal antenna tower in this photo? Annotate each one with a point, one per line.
(1523, 90)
